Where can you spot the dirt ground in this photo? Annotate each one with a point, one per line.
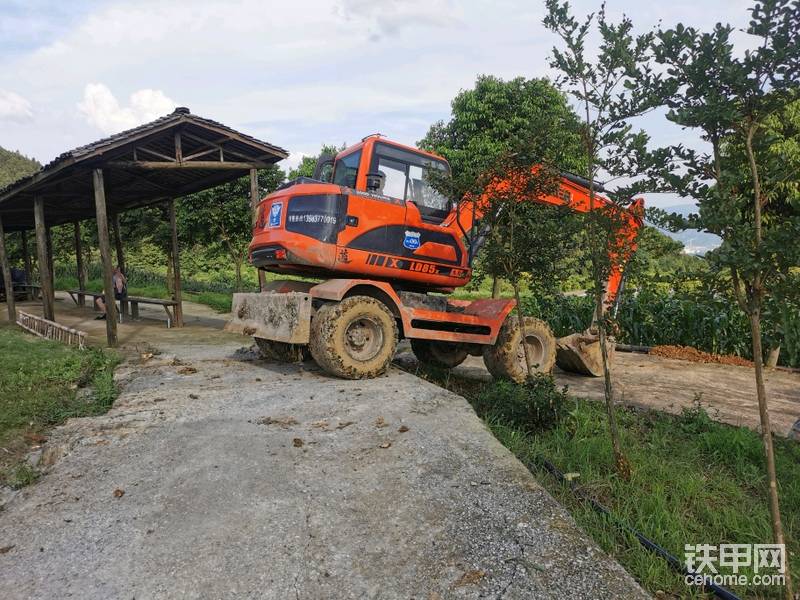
(221, 475)
(727, 392)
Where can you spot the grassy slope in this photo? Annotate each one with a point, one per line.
(694, 481)
(39, 381)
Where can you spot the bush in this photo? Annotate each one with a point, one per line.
(537, 405)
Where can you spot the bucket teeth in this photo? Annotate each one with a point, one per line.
(580, 353)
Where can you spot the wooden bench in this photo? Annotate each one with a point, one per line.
(23, 291)
(133, 301)
(78, 295)
(32, 291)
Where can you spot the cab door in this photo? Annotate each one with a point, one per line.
(375, 218)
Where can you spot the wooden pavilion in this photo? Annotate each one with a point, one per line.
(157, 162)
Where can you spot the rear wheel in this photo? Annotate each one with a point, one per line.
(355, 338)
(445, 355)
(281, 351)
(506, 358)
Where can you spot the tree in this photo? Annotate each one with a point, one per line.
(746, 187)
(497, 127)
(309, 163)
(222, 216)
(610, 92)
(497, 132)
(14, 165)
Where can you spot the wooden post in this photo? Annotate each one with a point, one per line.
(105, 255)
(26, 257)
(254, 200)
(79, 264)
(9, 284)
(48, 308)
(118, 243)
(176, 266)
(50, 268)
(123, 304)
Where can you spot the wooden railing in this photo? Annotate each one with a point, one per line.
(50, 330)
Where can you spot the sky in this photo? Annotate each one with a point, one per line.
(296, 74)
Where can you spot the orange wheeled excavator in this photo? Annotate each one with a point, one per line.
(378, 249)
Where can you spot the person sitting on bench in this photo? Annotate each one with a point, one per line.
(120, 284)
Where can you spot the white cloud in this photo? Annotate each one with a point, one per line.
(296, 74)
(14, 107)
(391, 18)
(103, 111)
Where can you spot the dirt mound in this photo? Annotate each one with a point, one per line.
(694, 355)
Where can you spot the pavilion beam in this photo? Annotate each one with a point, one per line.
(9, 284)
(194, 164)
(79, 264)
(254, 199)
(176, 265)
(48, 309)
(101, 211)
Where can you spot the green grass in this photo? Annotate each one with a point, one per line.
(694, 481)
(39, 383)
(219, 301)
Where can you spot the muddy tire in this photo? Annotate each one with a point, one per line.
(506, 358)
(355, 338)
(444, 355)
(282, 352)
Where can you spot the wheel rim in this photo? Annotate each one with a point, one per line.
(535, 352)
(363, 338)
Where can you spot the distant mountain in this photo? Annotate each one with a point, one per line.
(14, 165)
(694, 241)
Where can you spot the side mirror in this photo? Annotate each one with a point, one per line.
(374, 181)
(323, 171)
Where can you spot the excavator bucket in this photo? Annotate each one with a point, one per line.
(580, 353)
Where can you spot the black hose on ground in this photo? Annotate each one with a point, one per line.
(673, 562)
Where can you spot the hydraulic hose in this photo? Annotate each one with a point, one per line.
(673, 562)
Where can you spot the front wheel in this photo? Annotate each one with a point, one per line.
(355, 338)
(506, 358)
(444, 355)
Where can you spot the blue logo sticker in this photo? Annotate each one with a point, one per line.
(411, 240)
(275, 214)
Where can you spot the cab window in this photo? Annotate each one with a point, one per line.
(406, 176)
(345, 171)
(392, 177)
(421, 192)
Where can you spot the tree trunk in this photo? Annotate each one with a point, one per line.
(521, 322)
(773, 356)
(495, 287)
(238, 267)
(766, 436)
(621, 463)
(755, 299)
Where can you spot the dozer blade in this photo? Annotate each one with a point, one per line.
(580, 353)
(272, 316)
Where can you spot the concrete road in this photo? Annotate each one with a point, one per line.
(219, 475)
